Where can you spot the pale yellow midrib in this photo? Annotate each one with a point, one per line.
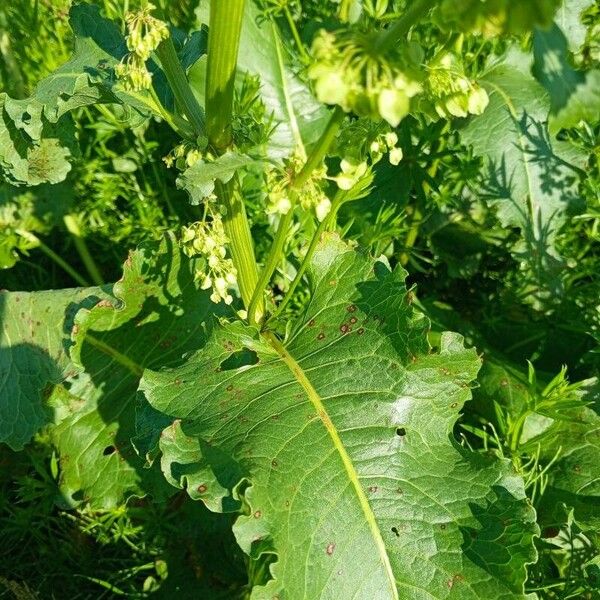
(316, 401)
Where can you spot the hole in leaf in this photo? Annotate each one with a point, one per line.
(242, 358)
(395, 531)
(109, 450)
(401, 432)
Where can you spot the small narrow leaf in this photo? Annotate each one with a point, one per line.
(199, 179)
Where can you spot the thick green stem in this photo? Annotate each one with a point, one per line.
(396, 32)
(223, 44)
(179, 84)
(238, 232)
(314, 160)
(92, 268)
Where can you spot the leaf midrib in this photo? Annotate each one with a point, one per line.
(289, 106)
(323, 415)
(532, 205)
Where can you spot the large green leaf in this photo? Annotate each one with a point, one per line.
(37, 137)
(34, 356)
(153, 318)
(531, 179)
(568, 18)
(574, 96)
(343, 433)
(300, 118)
(34, 210)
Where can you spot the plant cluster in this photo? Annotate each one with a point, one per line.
(236, 240)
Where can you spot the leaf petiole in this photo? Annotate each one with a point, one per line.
(315, 158)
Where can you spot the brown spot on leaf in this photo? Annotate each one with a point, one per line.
(455, 579)
(330, 548)
(202, 488)
(257, 514)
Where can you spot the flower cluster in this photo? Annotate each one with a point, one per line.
(185, 155)
(348, 71)
(209, 241)
(312, 196)
(361, 145)
(144, 34)
(365, 139)
(452, 93)
(493, 17)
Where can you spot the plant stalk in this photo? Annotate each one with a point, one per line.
(72, 226)
(224, 30)
(292, 25)
(314, 160)
(398, 31)
(226, 18)
(63, 264)
(179, 84)
(323, 226)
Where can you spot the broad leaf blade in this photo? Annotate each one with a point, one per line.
(344, 433)
(37, 137)
(531, 179)
(34, 356)
(568, 18)
(154, 317)
(574, 96)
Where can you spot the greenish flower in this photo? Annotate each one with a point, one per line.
(452, 93)
(349, 71)
(209, 241)
(493, 17)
